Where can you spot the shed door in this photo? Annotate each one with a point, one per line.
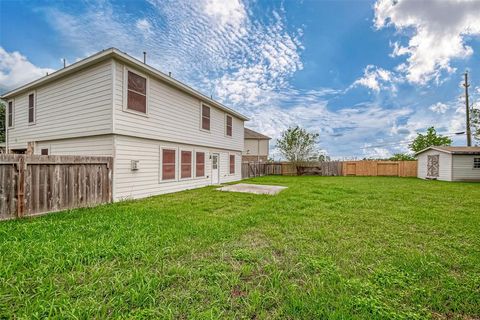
(433, 166)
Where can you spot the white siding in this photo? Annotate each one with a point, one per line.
(146, 182)
(254, 147)
(86, 146)
(463, 168)
(173, 116)
(77, 105)
(445, 165)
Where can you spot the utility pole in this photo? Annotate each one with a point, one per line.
(467, 106)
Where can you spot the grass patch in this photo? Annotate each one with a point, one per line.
(326, 247)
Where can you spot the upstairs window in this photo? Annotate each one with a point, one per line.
(44, 152)
(205, 117)
(186, 164)
(10, 113)
(229, 125)
(232, 164)
(168, 164)
(200, 164)
(31, 108)
(476, 163)
(137, 93)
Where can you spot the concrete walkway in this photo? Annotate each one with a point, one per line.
(253, 188)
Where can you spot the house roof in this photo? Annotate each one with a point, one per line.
(453, 150)
(250, 134)
(119, 55)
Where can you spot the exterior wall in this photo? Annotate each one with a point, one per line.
(254, 147)
(77, 105)
(463, 168)
(254, 158)
(172, 115)
(445, 165)
(86, 146)
(146, 182)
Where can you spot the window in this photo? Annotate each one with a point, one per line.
(232, 164)
(10, 113)
(31, 108)
(168, 164)
(476, 163)
(205, 117)
(200, 164)
(44, 152)
(229, 125)
(137, 93)
(186, 164)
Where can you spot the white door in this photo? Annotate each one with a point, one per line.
(215, 168)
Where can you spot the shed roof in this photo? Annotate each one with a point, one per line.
(119, 55)
(453, 150)
(250, 134)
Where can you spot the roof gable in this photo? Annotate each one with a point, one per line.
(250, 134)
(452, 150)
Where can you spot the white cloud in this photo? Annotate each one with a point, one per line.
(226, 11)
(438, 30)
(16, 70)
(376, 79)
(144, 25)
(439, 107)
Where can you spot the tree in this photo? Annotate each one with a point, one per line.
(475, 124)
(297, 144)
(423, 141)
(2, 122)
(402, 157)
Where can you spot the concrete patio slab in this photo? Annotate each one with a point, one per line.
(253, 188)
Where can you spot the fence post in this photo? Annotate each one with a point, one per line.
(21, 187)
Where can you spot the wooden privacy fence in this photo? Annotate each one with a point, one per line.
(33, 184)
(380, 168)
(256, 169)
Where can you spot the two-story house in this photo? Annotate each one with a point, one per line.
(163, 135)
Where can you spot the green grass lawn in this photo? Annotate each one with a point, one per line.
(327, 247)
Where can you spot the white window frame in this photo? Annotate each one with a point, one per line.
(475, 158)
(234, 163)
(34, 92)
(201, 117)
(205, 155)
(225, 133)
(125, 91)
(8, 114)
(160, 173)
(192, 162)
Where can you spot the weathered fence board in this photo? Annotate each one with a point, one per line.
(324, 168)
(380, 168)
(256, 169)
(33, 184)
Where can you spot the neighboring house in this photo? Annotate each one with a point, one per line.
(255, 148)
(449, 163)
(163, 135)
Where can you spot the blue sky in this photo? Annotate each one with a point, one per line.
(366, 75)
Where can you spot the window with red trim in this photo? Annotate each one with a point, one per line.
(168, 164)
(10, 113)
(186, 164)
(31, 108)
(232, 164)
(200, 164)
(205, 117)
(229, 125)
(137, 93)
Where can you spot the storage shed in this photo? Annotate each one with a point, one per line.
(449, 163)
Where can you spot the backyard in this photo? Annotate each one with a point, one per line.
(331, 247)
